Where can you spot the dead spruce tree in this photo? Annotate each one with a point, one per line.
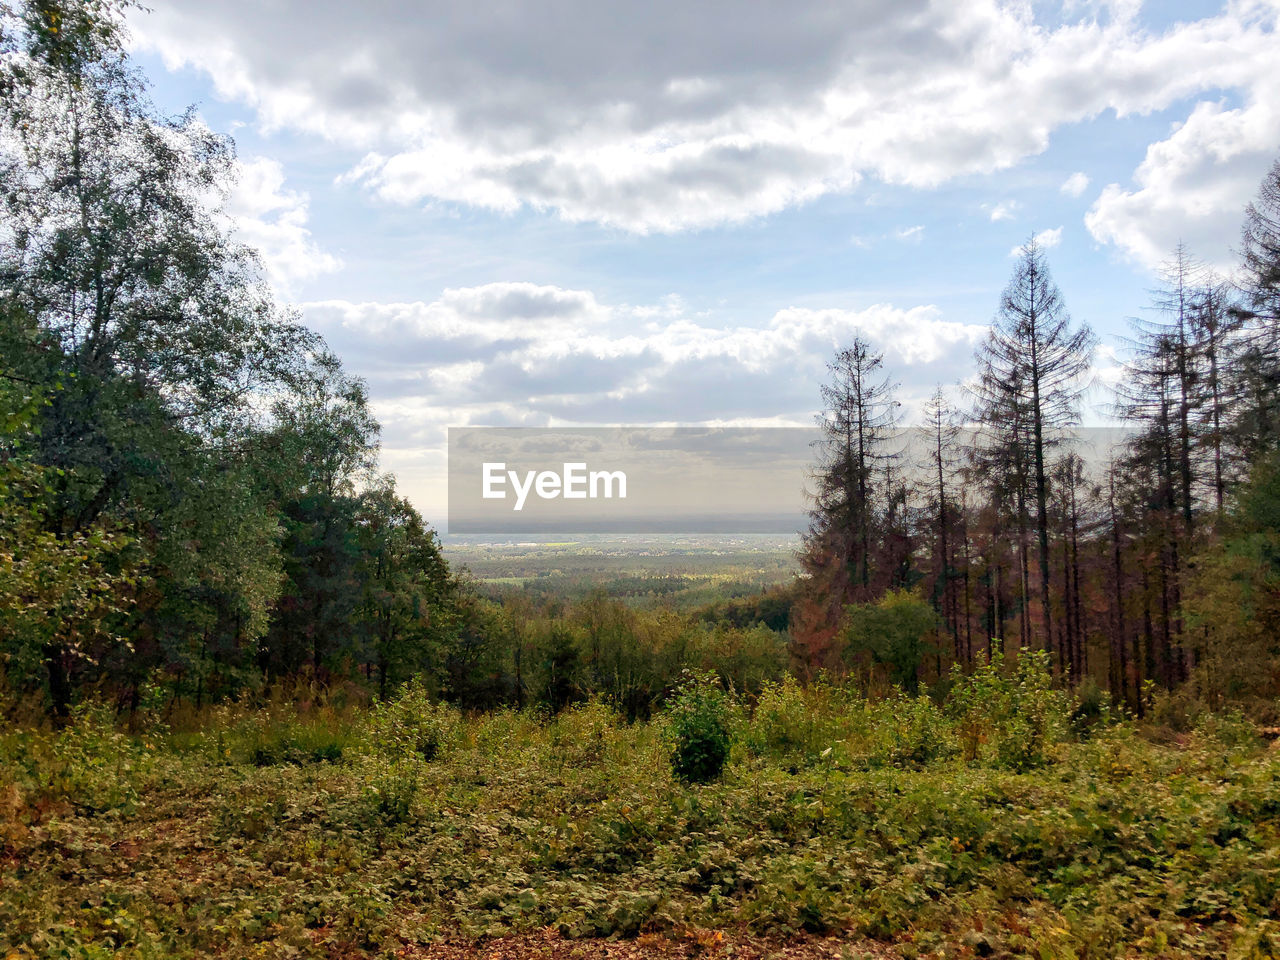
(1031, 373)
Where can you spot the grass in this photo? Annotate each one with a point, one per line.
(899, 823)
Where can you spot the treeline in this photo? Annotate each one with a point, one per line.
(1156, 560)
(189, 496)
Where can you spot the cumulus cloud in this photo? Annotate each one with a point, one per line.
(1075, 184)
(1192, 187)
(1001, 211)
(273, 219)
(664, 115)
(519, 353)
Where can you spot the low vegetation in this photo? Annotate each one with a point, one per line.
(1006, 819)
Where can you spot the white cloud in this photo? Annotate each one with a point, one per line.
(1193, 186)
(518, 353)
(522, 352)
(664, 116)
(1045, 240)
(1075, 184)
(1004, 210)
(273, 220)
(910, 234)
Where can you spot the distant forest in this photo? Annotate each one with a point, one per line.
(191, 507)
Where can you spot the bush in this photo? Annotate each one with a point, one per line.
(94, 765)
(413, 725)
(897, 630)
(403, 736)
(1230, 728)
(580, 735)
(1092, 708)
(910, 732)
(786, 723)
(699, 721)
(1009, 715)
(1179, 710)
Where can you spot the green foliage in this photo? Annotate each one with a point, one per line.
(177, 844)
(699, 720)
(581, 735)
(896, 630)
(910, 732)
(1232, 600)
(277, 733)
(411, 724)
(1009, 714)
(1092, 708)
(1231, 728)
(805, 723)
(90, 764)
(402, 738)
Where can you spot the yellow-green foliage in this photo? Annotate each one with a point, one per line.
(835, 813)
(402, 736)
(1009, 714)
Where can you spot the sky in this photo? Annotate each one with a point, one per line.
(583, 213)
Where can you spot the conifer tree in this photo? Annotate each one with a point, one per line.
(1031, 371)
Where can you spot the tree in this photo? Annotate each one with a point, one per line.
(859, 413)
(1258, 366)
(1033, 365)
(1260, 253)
(840, 546)
(183, 410)
(896, 631)
(941, 434)
(1215, 330)
(406, 585)
(59, 594)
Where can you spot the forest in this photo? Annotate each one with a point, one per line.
(1015, 700)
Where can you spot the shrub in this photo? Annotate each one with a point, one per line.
(1009, 715)
(412, 725)
(699, 721)
(1092, 708)
(402, 737)
(910, 732)
(1179, 710)
(580, 735)
(1230, 728)
(785, 723)
(897, 630)
(94, 764)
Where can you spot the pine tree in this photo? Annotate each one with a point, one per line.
(859, 414)
(1032, 366)
(846, 523)
(940, 432)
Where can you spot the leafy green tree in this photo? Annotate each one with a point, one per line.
(898, 631)
(191, 413)
(155, 326)
(1233, 598)
(61, 595)
(406, 585)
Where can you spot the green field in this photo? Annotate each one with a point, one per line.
(679, 572)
